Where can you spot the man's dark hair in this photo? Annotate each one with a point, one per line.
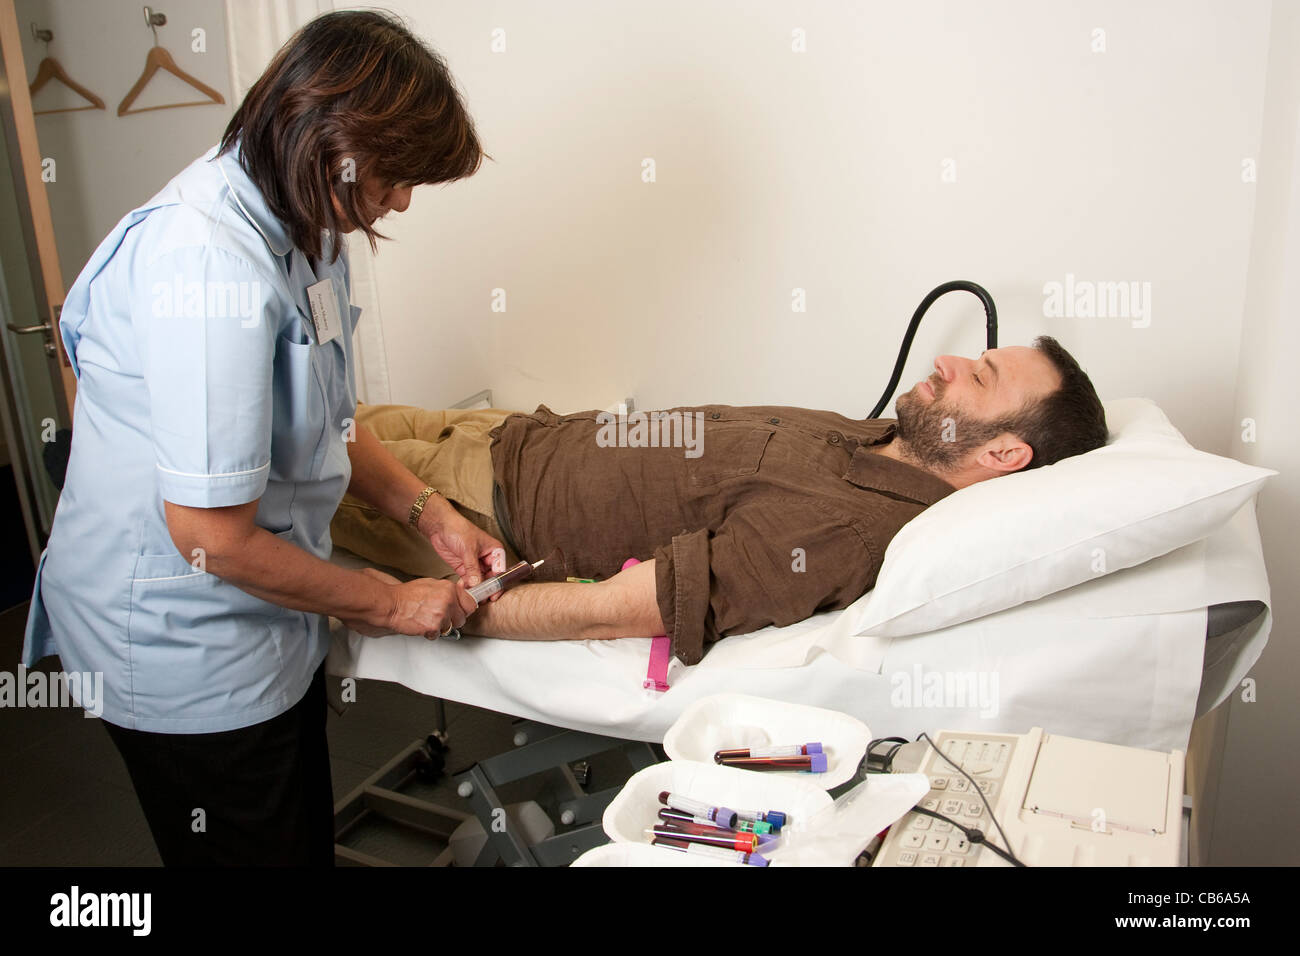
(358, 86)
(1069, 421)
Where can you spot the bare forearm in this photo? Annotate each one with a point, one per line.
(234, 548)
(283, 573)
(623, 606)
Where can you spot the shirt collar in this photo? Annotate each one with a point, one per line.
(250, 203)
(870, 469)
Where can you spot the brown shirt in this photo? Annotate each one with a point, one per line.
(754, 516)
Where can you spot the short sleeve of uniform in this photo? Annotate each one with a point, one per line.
(771, 562)
(207, 323)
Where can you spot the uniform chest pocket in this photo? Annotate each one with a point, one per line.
(727, 451)
(168, 572)
(298, 416)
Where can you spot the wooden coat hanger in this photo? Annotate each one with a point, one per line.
(52, 69)
(160, 59)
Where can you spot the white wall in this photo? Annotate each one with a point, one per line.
(1260, 771)
(822, 170)
(106, 165)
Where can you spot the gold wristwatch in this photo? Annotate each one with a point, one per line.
(417, 509)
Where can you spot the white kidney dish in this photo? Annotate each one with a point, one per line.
(637, 805)
(725, 721)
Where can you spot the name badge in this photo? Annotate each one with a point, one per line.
(325, 315)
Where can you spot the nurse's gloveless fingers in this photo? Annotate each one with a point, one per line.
(425, 606)
(455, 612)
(466, 601)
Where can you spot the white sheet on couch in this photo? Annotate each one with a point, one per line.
(1118, 659)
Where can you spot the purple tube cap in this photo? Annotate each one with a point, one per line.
(813, 748)
(756, 860)
(725, 817)
(817, 763)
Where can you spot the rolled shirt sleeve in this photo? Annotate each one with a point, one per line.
(208, 324)
(768, 563)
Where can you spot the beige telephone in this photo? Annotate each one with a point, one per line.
(1061, 802)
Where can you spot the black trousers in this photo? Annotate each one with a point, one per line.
(258, 796)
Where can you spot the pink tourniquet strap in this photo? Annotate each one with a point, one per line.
(661, 653)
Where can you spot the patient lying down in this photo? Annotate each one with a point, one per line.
(741, 517)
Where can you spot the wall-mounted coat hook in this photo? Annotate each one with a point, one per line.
(153, 20)
(159, 59)
(51, 69)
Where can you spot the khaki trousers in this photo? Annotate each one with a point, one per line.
(451, 451)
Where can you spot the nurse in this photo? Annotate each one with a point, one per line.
(214, 438)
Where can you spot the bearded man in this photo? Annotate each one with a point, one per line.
(757, 516)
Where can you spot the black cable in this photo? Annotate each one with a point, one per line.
(874, 763)
(889, 757)
(974, 835)
(1008, 855)
(957, 285)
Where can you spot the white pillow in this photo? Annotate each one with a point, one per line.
(1001, 542)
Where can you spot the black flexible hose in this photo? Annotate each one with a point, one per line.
(990, 312)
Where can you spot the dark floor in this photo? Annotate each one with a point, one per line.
(66, 799)
(17, 569)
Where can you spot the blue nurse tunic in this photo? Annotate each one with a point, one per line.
(200, 382)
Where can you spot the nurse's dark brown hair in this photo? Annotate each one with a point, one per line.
(352, 95)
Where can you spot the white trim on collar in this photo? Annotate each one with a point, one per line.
(248, 215)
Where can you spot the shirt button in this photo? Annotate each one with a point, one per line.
(716, 415)
(835, 438)
(775, 421)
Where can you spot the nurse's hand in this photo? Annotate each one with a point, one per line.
(469, 550)
(425, 607)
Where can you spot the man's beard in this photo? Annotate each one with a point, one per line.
(938, 437)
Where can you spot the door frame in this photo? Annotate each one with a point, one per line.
(42, 261)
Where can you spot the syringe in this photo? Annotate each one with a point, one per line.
(495, 584)
(504, 581)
